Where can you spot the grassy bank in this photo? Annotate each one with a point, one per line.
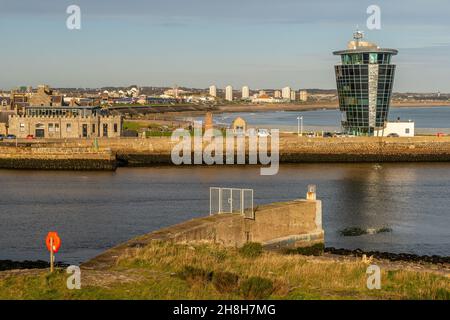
(167, 271)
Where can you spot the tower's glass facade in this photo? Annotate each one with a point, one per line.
(364, 83)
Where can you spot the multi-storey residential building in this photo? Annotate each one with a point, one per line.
(286, 93)
(303, 95)
(229, 93)
(45, 96)
(293, 95)
(245, 92)
(18, 100)
(213, 91)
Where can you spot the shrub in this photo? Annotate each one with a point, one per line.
(193, 274)
(256, 288)
(219, 255)
(225, 281)
(251, 250)
(442, 294)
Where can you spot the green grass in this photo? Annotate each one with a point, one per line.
(129, 125)
(154, 133)
(152, 130)
(251, 250)
(176, 271)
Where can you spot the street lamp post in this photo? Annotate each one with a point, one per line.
(17, 133)
(300, 125)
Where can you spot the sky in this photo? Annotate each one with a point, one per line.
(196, 43)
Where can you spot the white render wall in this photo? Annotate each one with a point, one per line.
(400, 128)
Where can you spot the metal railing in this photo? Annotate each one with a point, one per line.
(231, 200)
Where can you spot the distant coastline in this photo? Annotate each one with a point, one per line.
(317, 106)
(174, 111)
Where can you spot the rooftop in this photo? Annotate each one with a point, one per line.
(357, 45)
(63, 107)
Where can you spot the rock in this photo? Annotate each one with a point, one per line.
(435, 259)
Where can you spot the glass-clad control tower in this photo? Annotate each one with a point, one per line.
(364, 83)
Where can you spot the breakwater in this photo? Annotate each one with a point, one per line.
(78, 154)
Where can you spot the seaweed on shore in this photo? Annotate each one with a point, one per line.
(358, 231)
(352, 232)
(27, 264)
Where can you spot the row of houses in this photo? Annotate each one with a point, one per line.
(143, 100)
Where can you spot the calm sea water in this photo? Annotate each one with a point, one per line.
(427, 120)
(93, 211)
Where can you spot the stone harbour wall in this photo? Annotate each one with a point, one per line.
(293, 149)
(135, 152)
(57, 158)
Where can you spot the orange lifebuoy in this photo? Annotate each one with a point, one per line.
(53, 238)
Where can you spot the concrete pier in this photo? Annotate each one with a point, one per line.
(276, 226)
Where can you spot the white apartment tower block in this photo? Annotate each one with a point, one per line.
(245, 92)
(293, 95)
(213, 91)
(229, 93)
(286, 93)
(303, 95)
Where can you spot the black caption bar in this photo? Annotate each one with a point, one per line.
(198, 310)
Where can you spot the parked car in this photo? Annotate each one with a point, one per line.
(263, 133)
(2, 136)
(393, 135)
(10, 137)
(327, 135)
(30, 137)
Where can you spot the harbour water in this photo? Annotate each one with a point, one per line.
(93, 211)
(428, 120)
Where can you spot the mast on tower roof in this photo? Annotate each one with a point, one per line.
(358, 35)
